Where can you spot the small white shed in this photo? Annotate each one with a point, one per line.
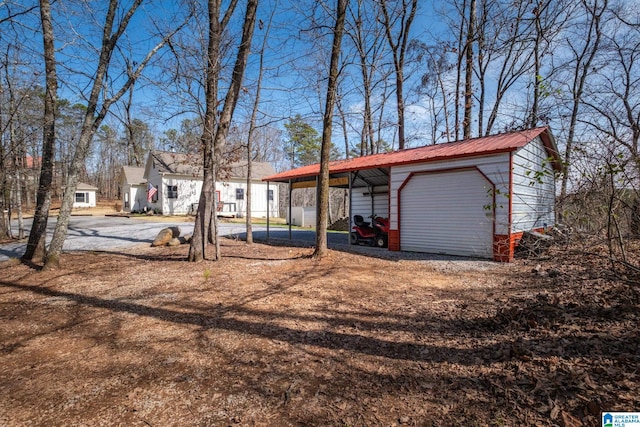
(85, 196)
(133, 189)
(470, 198)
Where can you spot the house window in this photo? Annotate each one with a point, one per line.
(239, 193)
(126, 199)
(172, 191)
(82, 197)
(270, 195)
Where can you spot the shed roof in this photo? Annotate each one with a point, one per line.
(134, 175)
(493, 144)
(85, 187)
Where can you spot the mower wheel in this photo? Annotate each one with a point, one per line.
(353, 237)
(381, 242)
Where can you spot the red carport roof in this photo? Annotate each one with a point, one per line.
(493, 144)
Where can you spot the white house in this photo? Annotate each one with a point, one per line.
(85, 196)
(175, 182)
(471, 198)
(133, 189)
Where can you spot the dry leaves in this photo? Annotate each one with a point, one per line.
(269, 336)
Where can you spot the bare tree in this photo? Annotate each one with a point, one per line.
(37, 238)
(615, 96)
(322, 199)
(98, 105)
(399, 19)
(368, 40)
(583, 53)
(252, 122)
(503, 56)
(214, 137)
(468, 74)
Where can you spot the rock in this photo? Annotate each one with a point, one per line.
(165, 236)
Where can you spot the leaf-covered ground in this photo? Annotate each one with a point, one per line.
(269, 336)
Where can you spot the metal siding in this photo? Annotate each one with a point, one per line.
(533, 199)
(361, 203)
(449, 213)
(495, 167)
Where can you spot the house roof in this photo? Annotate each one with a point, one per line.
(84, 186)
(191, 165)
(500, 143)
(134, 175)
(259, 170)
(177, 163)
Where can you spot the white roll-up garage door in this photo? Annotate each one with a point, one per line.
(447, 213)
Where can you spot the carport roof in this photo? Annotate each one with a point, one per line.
(493, 144)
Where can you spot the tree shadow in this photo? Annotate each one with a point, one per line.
(339, 241)
(234, 318)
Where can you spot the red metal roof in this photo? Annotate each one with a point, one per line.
(493, 144)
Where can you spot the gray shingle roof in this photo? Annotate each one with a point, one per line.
(134, 175)
(191, 165)
(85, 186)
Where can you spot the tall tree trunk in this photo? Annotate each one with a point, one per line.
(206, 205)
(18, 200)
(581, 72)
(322, 200)
(399, 49)
(202, 227)
(460, 55)
(252, 126)
(93, 116)
(36, 250)
(468, 81)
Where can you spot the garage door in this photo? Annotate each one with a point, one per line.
(447, 213)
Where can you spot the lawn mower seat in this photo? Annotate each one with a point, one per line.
(359, 221)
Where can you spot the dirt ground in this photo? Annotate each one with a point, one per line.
(270, 337)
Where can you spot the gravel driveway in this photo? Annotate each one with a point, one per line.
(108, 233)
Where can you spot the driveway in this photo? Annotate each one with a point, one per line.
(102, 233)
(109, 233)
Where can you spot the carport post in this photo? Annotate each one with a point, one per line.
(268, 209)
(350, 212)
(290, 192)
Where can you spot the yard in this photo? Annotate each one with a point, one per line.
(269, 336)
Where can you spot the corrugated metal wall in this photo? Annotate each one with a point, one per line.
(533, 201)
(447, 213)
(495, 167)
(361, 202)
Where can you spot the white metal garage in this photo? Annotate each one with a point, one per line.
(471, 198)
(449, 212)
